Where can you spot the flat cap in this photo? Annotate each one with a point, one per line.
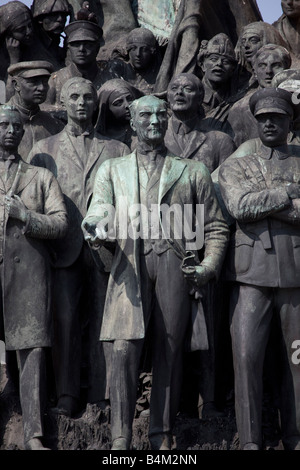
(33, 68)
(83, 30)
(271, 100)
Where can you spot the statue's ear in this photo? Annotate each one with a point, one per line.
(132, 125)
(16, 84)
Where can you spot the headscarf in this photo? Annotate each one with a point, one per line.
(10, 15)
(104, 94)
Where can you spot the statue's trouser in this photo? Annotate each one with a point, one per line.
(252, 310)
(66, 346)
(166, 302)
(32, 367)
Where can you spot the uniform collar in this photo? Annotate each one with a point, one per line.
(280, 153)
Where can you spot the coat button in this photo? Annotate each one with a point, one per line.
(16, 259)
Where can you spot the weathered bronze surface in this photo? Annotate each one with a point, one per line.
(261, 192)
(148, 101)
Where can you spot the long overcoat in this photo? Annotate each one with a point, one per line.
(26, 272)
(182, 182)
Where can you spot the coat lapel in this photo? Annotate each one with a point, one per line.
(171, 172)
(64, 148)
(195, 140)
(128, 178)
(23, 177)
(94, 155)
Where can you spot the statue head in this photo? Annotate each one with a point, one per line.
(11, 128)
(185, 95)
(273, 110)
(51, 15)
(217, 59)
(149, 119)
(268, 61)
(79, 98)
(252, 37)
(291, 8)
(289, 80)
(30, 81)
(115, 96)
(141, 46)
(83, 40)
(16, 22)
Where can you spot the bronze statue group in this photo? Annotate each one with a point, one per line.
(109, 133)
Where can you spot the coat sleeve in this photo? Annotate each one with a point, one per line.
(227, 147)
(102, 202)
(245, 192)
(216, 230)
(52, 223)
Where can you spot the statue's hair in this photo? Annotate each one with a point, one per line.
(79, 80)
(9, 107)
(282, 51)
(133, 106)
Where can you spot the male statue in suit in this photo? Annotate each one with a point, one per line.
(74, 156)
(147, 282)
(187, 135)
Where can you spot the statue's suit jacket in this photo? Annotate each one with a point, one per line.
(181, 182)
(25, 255)
(211, 148)
(76, 180)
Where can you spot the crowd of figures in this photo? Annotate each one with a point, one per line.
(117, 110)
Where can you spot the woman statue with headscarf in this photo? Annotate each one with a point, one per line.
(113, 120)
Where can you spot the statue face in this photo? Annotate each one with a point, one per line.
(266, 65)
(183, 95)
(119, 106)
(150, 121)
(140, 57)
(217, 68)
(11, 130)
(273, 128)
(79, 103)
(33, 90)
(251, 42)
(291, 8)
(83, 52)
(23, 31)
(54, 23)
